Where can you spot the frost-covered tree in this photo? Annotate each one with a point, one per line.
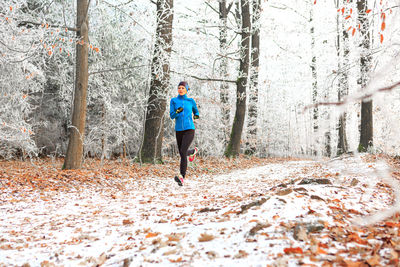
(160, 79)
(342, 47)
(22, 48)
(233, 147)
(118, 77)
(74, 156)
(224, 9)
(366, 127)
(251, 139)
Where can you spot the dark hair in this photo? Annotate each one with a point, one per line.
(184, 84)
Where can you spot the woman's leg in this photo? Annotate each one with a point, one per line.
(187, 139)
(179, 136)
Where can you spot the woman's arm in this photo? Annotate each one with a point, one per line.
(172, 110)
(195, 109)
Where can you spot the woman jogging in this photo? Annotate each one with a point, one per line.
(181, 109)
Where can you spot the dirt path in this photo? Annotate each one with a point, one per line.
(287, 213)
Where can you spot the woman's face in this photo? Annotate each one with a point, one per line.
(182, 90)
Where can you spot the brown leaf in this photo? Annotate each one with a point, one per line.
(241, 254)
(374, 260)
(149, 235)
(211, 254)
(47, 264)
(293, 250)
(350, 263)
(177, 260)
(167, 253)
(355, 237)
(127, 221)
(176, 237)
(206, 238)
(392, 224)
(321, 251)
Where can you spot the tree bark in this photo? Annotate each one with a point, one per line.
(224, 88)
(160, 77)
(251, 145)
(343, 84)
(233, 148)
(313, 66)
(366, 131)
(73, 159)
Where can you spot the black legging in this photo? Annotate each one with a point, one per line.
(184, 139)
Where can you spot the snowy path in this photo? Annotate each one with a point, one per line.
(153, 221)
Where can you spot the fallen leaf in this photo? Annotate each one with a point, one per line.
(206, 238)
(392, 224)
(321, 251)
(177, 260)
(356, 238)
(293, 250)
(241, 254)
(170, 252)
(127, 221)
(374, 260)
(151, 235)
(175, 237)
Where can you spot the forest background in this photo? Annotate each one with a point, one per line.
(320, 80)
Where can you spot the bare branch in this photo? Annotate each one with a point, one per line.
(87, 10)
(206, 79)
(11, 49)
(228, 9)
(122, 11)
(118, 69)
(355, 99)
(24, 23)
(284, 7)
(210, 6)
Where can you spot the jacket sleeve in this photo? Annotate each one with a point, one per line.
(172, 110)
(194, 109)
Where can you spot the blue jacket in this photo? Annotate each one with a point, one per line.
(183, 120)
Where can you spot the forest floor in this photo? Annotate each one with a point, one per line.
(239, 212)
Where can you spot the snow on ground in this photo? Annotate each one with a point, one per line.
(153, 221)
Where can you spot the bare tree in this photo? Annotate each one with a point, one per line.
(343, 51)
(253, 92)
(160, 77)
(366, 128)
(233, 148)
(73, 159)
(224, 87)
(313, 66)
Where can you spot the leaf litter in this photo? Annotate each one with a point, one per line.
(248, 211)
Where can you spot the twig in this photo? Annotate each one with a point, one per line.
(206, 79)
(118, 69)
(23, 23)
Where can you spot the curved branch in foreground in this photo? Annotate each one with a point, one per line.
(365, 96)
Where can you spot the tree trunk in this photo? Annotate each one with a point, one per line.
(233, 148)
(160, 76)
(73, 159)
(366, 134)
(224, 88)
(255, 63)
(343, 85)
(314, 85)
(124, 148)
